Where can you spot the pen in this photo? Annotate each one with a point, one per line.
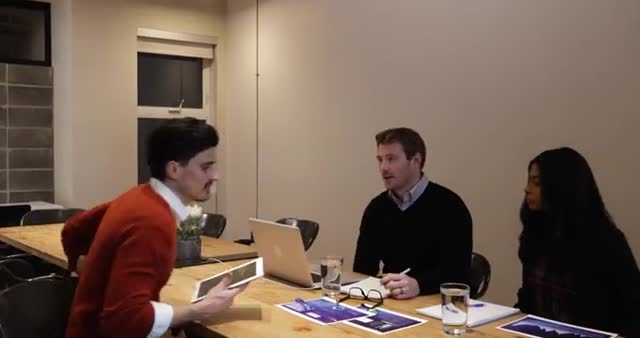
(304, 304)
(402, 273)
(477, 305)
(451, 308)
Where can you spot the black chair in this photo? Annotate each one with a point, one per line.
(16, 269)
(308, 231)
(48, 216)
(480, 275)
(39, 266)
(245, 241)
(10, 215)
(36, 308)
(214, 227)
(36, 266)
(8, 278)
(7, 250)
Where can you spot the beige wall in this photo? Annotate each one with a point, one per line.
(240, 133)
(489, 84)
(63, 123)
(95, 109)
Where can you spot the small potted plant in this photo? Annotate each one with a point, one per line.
(188, 246)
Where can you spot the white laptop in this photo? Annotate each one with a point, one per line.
(282, 250)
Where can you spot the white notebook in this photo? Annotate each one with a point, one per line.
(370, 283)
(479, 312)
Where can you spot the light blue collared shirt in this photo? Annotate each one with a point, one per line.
(412, 195)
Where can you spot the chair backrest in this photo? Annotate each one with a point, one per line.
(48, 216)
(215, 225)
(18, 267)
(39, 266)
(480, 275)
(10, 215)
(308, 229)
(8, 279)
(36, 308)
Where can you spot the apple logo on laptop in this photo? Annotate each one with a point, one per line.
(277, 251)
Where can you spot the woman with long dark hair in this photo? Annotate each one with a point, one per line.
(577, 265)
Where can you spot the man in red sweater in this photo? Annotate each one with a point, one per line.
(130, 242)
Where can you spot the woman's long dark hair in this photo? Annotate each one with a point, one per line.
(573, 213)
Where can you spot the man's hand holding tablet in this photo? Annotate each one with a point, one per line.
(217, 299)
(215, 294)
(240, 275)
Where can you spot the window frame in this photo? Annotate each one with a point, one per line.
(172, 43)
(200, 113)
(45, 9)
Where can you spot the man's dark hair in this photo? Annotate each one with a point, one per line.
(409, 139)
(178, 140)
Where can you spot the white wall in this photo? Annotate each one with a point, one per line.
(489, 85)
(95, 109)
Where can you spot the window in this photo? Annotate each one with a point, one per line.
(169, 81)
(176, 73)
(25, 32)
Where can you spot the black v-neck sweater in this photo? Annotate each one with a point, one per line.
(433, 237)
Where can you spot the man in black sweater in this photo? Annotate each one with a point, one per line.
(415, 224)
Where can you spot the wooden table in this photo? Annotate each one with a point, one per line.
(254, 313)
(44, 241)
(35, 205)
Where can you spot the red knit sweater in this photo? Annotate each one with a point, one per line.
(130, 248)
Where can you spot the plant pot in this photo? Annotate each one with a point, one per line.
(189, 250)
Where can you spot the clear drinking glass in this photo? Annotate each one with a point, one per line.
(331, 273)
(455, 305)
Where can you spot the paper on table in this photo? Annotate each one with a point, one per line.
(383, 321)
(322, 310)
(534, 326)
(479, 312)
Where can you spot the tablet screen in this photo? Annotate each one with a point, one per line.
(239, 274)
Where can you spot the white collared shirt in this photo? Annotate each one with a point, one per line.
(412, 195)
(163, 313)
(176, 205)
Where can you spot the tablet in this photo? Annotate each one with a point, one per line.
(241, 274)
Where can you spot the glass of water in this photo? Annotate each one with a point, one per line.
(455, 305)
(331, 273)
